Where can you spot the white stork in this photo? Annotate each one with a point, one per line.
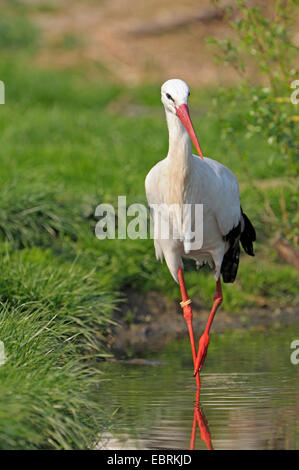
(183, 178)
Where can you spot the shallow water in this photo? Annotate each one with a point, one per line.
(249, 396)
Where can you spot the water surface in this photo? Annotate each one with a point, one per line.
(249, 396)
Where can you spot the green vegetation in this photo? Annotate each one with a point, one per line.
(52, 316)
(69, 143)
(264, 43)
(17, 32)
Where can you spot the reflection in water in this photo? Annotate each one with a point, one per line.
(248, 399)
(199, 420)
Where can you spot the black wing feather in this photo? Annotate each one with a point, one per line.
(247, 236)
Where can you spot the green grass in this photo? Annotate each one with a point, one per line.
(16, 32)
(52, 316)
(63, 151)
(35, 214)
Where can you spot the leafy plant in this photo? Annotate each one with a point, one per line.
(262, 53)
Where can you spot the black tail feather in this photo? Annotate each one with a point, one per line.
(230, 263)
(248, 236)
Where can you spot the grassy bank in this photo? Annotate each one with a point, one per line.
(52, 317)
(69, 141)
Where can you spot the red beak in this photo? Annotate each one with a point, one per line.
(183, 113)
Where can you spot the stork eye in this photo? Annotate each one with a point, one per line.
(169, 97)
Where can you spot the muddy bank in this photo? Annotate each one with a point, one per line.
(148, 321)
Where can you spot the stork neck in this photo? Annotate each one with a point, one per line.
(180, 150)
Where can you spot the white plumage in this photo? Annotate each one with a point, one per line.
(184, 178)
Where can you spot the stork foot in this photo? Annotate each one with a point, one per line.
(202, 352)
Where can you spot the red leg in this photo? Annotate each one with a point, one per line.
(187, 312)
(200, 420)
(193, 434)
(204, 340)
(205, 434)
(195, 420)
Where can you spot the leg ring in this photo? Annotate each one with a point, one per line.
(185, 303)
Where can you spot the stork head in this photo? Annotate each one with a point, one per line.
(174, 93)
(174, 96)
